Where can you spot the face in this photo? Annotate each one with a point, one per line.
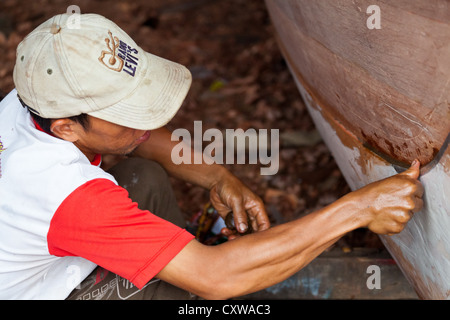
(103, 137)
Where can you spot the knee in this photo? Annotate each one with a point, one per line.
(148, 170)
(133, 172)
(149, 186)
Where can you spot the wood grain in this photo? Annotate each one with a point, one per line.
(388, 86)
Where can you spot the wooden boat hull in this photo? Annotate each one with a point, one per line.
(380, 99)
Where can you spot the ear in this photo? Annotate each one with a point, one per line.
(65, 129)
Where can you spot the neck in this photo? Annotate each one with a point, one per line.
(94, 158)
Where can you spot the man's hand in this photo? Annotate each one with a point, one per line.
(391, 203)
(229, 194)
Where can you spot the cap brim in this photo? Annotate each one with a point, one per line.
(156, 99)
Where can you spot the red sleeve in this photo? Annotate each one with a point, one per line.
(100, 223)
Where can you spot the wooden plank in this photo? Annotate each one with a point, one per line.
(335, 275)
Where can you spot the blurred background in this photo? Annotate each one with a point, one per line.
(240, 80)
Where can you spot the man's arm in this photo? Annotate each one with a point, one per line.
(227, 192)
(159, 148)
(258, 260)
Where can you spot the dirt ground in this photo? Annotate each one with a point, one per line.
(240, 80)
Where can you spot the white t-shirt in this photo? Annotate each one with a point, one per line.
(61, 216)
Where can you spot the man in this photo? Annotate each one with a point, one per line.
(68, 230)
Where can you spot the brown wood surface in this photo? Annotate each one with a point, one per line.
(390, 87)
(380, 97)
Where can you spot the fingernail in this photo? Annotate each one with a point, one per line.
(243, 227)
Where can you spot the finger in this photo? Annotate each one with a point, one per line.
(253, 223)
(240, 216)
(418, 205)
(420, 189)
(253, 226)
(401, 216)
(230, 234)
(413, 171)
(395, 228)
(259, 218)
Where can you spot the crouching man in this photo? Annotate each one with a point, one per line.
(71, 230)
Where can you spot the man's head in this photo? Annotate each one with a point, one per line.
(98, 70)
(92, 135)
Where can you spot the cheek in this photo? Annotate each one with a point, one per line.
(109, 138)
(119, 134)
(124, 138)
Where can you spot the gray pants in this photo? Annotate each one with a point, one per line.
(147, 184)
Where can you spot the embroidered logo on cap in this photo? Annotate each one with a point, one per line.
(119, 56)
(114, 62)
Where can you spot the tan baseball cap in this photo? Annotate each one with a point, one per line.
(96, 68)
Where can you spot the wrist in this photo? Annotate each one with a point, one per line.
(217, 173)
(358, 215)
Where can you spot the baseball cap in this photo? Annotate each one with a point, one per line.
(97, 69)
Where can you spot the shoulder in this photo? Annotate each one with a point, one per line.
(36, 165)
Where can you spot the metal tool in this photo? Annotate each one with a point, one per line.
(401, 167)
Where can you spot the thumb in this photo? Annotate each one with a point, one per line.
(413, 171)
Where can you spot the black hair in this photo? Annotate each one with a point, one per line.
(45, 123)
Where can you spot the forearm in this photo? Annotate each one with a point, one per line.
(256, 261)
(159, 148)
(269, 257)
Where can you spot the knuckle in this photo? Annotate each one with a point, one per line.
(409, 186)
(397, 228)
(410, 205)
(404, 217)
(419, 205)
(420, 188)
